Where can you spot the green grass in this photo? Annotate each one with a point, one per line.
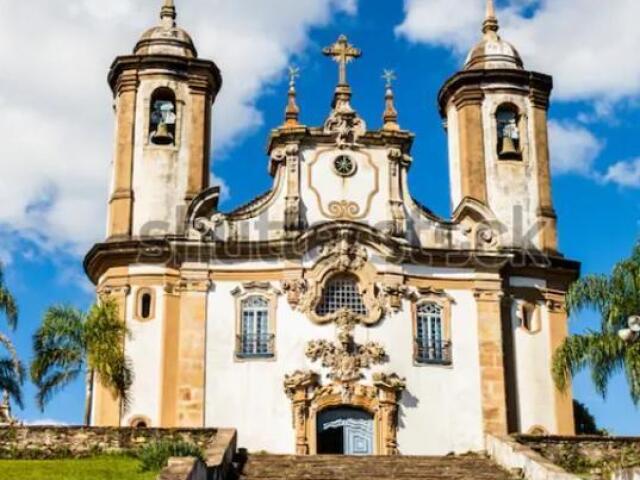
(98, 468)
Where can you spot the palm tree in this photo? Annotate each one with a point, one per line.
(11, 369)
(615, 297)
(70, 342)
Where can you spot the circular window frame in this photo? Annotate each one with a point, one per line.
(351, 172)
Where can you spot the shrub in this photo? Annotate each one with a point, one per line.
(154, 456)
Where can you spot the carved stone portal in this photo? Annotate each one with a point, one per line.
(345, 360)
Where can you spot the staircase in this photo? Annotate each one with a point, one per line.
(329, 467)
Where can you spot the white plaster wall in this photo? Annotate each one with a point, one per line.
(317, 171)
(160, 173)
(536, 400)
(144, 349)
(441, 411)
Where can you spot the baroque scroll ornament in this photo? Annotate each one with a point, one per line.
(345, 358)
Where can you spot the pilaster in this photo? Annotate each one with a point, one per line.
(194, 288)
(492, 372)
(558, 332)
(473, 176)
(546, 213)
(121, 201)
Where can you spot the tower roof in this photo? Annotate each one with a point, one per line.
(492, 52)
(166, 38)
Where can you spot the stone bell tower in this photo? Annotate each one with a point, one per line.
(496, 116)
(163, 95)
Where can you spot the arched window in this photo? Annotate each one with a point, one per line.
(341, 292)
(145, 304)
(509, 137)
(431, 345)
(530, 317)
(255, 339)
(162, 124)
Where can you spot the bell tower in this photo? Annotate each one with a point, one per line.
(496, 117)
(163, 95)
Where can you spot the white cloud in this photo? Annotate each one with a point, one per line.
(624, 174)
(574, 148)
(587, 45)
(56, 119)
(45, 422)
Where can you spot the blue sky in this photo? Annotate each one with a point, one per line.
(61, 212)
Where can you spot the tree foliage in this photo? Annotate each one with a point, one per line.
(11, 368)
(70, 342)
(615, 298)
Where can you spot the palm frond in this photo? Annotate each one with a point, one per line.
(13, 355)
(59, 351)
(105, 334)
(591, 291)
(603, 353)
(10, 380)
(8, 303)
(52, 383)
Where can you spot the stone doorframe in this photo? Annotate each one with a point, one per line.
(380, 400)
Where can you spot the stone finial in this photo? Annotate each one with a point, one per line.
(292, 113)
(491, 20)
(390, 116)
(168, 14)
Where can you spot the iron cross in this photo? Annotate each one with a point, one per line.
(342, 53)
(294, 73)
(389, 76)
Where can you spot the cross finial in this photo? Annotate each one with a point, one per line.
(390, 115)
(294, 74)
(168, 13)
(491, 20)
(292, 112)
(389, 76)
(343, 53)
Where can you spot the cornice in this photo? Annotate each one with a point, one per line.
(174, 251)
(537, 84)
(204, 74)
(306, 136)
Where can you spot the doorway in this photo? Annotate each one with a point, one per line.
(345, 431)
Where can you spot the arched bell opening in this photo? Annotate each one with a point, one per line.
(345, 430)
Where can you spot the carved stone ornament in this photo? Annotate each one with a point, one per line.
(345, 123)
(206, 228)
(343, 256)
(294, 289)
(345, 359)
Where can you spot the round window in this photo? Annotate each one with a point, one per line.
(344, 165)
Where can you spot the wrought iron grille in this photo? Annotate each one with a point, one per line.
(255, 346)
(341, 292)
(436, 353)
(431, 347)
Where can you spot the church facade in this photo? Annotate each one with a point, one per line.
(335, 313)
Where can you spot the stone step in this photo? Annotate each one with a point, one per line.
(333, 467)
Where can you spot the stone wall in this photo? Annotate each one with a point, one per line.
(597, 456)
(77, 442)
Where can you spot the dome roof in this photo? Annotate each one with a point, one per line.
(492, 52)
(166, 38)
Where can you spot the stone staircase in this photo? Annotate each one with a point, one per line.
(329, 467)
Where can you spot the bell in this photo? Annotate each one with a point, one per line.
(162, 136)
(509, 148)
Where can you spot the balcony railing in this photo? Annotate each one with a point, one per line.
(255, 346)
(433, 352)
